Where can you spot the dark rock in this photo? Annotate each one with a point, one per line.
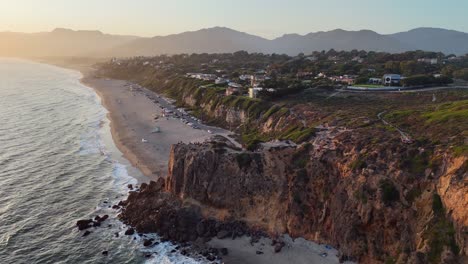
(259, 252)
(223, 234)
(279, 246)
(130, 232)
(96, 224)
(214, 251)
(105, 253)
(147, 243)
(224, 251)
(211, 258)
(84, 224)
(116, 234)
(130, 186)
(103, 218)
(87, 233)
(148, 255)
(116, 207)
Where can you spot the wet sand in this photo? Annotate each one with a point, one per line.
(298, 251)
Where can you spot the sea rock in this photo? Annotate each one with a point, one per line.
(130, 232)
(278, 246)
(105, 253)
(86, 233)
(103, 218)
(84, 224)
(147, 243)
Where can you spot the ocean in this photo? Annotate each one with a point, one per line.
(58, 164)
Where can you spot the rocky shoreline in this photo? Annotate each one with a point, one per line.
(182, 223)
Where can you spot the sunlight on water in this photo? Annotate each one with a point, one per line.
(56, 169)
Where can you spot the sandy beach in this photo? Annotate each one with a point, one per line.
(135, 114)
(298, 251)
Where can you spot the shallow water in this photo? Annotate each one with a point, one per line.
(58, 164)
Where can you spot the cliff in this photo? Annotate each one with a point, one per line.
(337, 189)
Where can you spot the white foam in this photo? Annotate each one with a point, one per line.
(92, 143)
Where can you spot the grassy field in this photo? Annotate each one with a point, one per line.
(369, 85)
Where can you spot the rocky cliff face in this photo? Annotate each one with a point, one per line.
(373, 202)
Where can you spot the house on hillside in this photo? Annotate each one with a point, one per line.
(221, 81)
(375, 81)
(246, 77)
(253, 92)
(348, 79)
(358, 59)
(429, 60)
(392, 79)
(233, 89)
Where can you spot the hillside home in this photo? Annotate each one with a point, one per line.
(392, 79)
(429, 60)
(375, 81)
(233, 89)
(253, 92)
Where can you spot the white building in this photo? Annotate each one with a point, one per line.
(392, 79)
(429, 60)
(253, 92)
(246, 77)
(221, 81)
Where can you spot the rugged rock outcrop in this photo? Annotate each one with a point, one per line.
(373, 202)
(152, 209)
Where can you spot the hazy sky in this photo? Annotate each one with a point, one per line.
(268, 18)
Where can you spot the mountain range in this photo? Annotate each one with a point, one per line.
(66, 42)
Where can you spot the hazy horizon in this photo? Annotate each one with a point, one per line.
(218, 26)
(268, 19)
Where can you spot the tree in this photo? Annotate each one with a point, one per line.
(461, 74)
(424, 80)
(448, 70)
(392, 67)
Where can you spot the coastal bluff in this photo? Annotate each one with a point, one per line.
(361, 201)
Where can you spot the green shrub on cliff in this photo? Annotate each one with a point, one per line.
(390, 193)
(243, 160)
(440, 233)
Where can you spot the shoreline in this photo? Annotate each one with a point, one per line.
(132, 149)
(131, 114)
